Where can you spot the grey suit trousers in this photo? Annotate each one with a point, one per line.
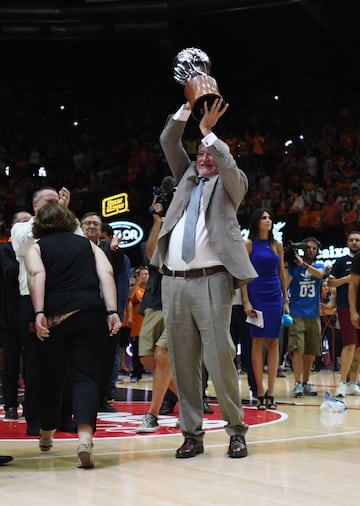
(197, 319)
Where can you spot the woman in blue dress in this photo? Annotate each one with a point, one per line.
(268, 294)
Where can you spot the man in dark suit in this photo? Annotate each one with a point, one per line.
(12, 338)
(91, 227)
(197, 292)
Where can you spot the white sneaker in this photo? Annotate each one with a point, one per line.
(341, 389)
(149, 423)
(309, 389)
(353, 389)
(298, 390)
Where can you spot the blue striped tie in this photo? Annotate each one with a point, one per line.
(188, 245)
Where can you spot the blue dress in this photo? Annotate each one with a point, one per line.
(265, 292)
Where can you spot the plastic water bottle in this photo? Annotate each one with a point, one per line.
(286, 320)
(332, 412)
(332, 405)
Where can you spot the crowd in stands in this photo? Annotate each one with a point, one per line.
(302, 164)
(301, 156)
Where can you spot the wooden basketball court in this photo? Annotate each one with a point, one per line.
(296, 457)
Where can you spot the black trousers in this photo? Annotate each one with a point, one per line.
(107, 367)
(240, 334)
(137, 367)
(31, 370)
(12, 345)
(72, 355)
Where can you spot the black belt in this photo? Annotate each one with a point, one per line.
(194, 273)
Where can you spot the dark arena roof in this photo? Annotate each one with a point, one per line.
(131, 41)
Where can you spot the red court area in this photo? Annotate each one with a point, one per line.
(123, 423)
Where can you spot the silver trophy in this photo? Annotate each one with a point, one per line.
(192, 69)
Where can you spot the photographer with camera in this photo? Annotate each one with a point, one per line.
(305, 275)
(152, 338)
(153, 351)
(163, 196)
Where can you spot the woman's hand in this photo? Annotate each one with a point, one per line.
(248, 310)
(114, 323)
(41, 327)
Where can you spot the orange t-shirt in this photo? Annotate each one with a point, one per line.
(137, 318)
(258, 145)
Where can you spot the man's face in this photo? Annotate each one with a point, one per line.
(143, 276)
(105, 237)
(91, 227)
(311, 250)
(44, 197)
(205, 163)
(22, 217)
(353, 243)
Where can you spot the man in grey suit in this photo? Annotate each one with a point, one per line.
(197, 293)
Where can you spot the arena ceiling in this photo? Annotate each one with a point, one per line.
(244, 38)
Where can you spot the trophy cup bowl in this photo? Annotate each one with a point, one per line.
(198, 90)
(192, 69)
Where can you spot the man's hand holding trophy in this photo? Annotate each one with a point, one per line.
(192, 69)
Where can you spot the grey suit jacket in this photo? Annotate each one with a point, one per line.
(222, 195)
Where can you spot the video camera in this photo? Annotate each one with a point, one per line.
(291, 249)
(164, 194)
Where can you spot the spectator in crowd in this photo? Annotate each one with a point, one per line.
(350, 354)
(331, 213)
(91, 227)
(12, 343)
(349, 217)
(240, 334)
(354, 296)
(258, 147)
(122, 281)
(152, 338)
(329, 324)
(136, 293)
(3, 229)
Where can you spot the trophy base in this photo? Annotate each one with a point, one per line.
(198, 90)
(198, 107)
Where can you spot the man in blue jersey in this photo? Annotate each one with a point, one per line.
(305, 275)
(350, 336)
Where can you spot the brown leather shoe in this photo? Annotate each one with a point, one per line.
(190, 448)
(237, 447)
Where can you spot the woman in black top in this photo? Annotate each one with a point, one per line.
(66, 273)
